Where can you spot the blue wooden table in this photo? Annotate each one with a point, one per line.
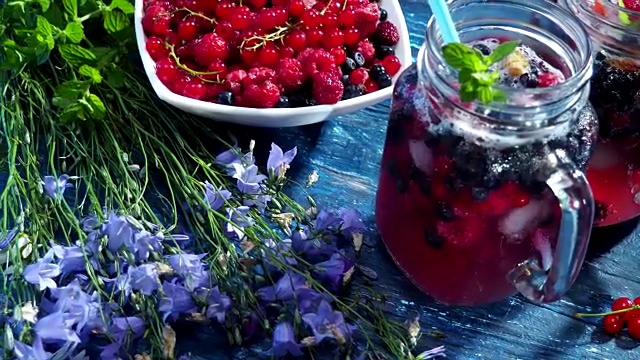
(346, 154)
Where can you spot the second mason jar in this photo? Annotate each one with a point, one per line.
(614, 170)
(477, 202)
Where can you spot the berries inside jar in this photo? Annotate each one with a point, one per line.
(469, 203)
(319, 52)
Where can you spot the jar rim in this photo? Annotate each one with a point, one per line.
(608, 8)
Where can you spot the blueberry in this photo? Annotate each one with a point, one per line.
(298, 101)
(283, 102)
(348, 66)
(376, 71)
(484, 49)
(351, 91)
(225, 98)
(383, 14)
(384, 81)
(384, 51)
(346, 80)
(434, 240)
(444, 211)
(479, 194)
(357, 57)
(529, 80)
(533, 69)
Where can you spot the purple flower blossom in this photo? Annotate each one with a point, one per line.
(351, 222)
(7, 239)
(42, 272)
(278, 163)
(309, 247)
(308, 300)
(249, 180)
(215, 198)
(229, 157)
(89, 223)
(190, 268)
(332, 272)
(284, 341)
(260, 202)
(238, 221)
(145, 243)
(34, 352)
(56, 326)
(430, 354)
(119, 232)
(71, 258)
(54, 188)
(218, 306)
(177, 300)
(327, 323)
(120, 284)
(284, 289)
(326, 220)
(122, 326)
(110, 352)
(82, 309)
(144, 278)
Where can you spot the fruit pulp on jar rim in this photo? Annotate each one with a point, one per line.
(449, 202)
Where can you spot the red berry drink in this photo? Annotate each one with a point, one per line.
(467, 202)
(614, 170)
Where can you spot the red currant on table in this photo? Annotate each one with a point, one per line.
(612, 324)
(621, 304)
(633, 328)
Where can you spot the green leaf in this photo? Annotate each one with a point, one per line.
(484, 94)
(460, 56)
(486, 78)
(96, 106)
(13, 57)
(44, 4)
(502, 51)
(55, 15)
(74, 32)
(115, 21)
(72, 89)
(499, 96)
(73, 112)
(465, 75)
(116, 78)
(45, 31)
(91, 72)
(123, 5)
(71, 8)
(467, 92)
(76, 55)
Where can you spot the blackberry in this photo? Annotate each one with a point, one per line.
(283, 102)
(384, 81)
(376, 71)
(434, 240)
(528, 80)
(613, 86)
(383, 14)
(348, 66)
(484, 49)
(351, 91)
(383, 51)
(298, 100)
(226, 98)
(357, 57)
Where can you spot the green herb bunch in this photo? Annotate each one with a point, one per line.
(474, 70)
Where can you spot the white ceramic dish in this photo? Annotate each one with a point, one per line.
(274, 117)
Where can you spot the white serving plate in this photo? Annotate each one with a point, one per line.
(286, 117)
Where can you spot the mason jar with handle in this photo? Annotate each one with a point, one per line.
(614, 170)
(479, 201)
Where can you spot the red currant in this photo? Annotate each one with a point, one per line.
(213, 90)
(181, 82)
(314, 36)
(249, 57)
(167, 71)
(311, 18)
(224, 10)
(172, 38)
(371, 86)
(339, 55)
(156, 49)
(267, 19)
(195, 90)
(257, 4)
(296, 8)
(633, 328)
(330, 21)
(219, 68)
(287, 52)
(612, 324)
(281, 15)
(391, 64)
(225, 30)
(188, 29)
(241, 18)
(347, 18)
(621, 304)
(296, 39)
(633, 313)
(351, 36)
(268, 56)
(332, 38)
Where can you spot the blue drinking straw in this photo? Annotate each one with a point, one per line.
(443, 19)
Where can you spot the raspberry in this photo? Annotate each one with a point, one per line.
(314, 60)
(387, 33)
(258, 76)
(327, 87)
(234, 81)
(365, 47)
(368, 17)
(632, 4)
(359, 76)
(265, 95)
(290, 74)
(209, 48)
(547, 80)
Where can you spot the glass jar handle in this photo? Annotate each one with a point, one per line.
(570, 186)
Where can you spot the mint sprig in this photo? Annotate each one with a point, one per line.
(475, 78)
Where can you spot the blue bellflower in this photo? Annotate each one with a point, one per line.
(215, 198)
(249, 180)
(119, 232)
(309, 300)
(70, 258)
(33, 352)
(284, 289)
(56, 326)
(8, 238)
(42, 272)
(54, 188)
(145, 243)
(238, 221)
(177, 300)
(122, 326)
(332, 272)
(144, 278)
(218, 305)
(278, 162)
(191, 269)
(327, 323)
(351, 222)
(284, 341)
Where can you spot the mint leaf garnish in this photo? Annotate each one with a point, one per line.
(475, 78)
